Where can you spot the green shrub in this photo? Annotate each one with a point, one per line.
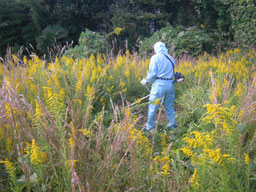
(50, 35)
(167, 35)
(89, 43)
(243, 16)
(192, 41)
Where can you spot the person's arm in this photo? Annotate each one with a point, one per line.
(152, 69)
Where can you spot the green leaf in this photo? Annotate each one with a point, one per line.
(242, 127)
(33, 178)
(22, 179)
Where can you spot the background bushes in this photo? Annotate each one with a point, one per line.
(230, 23)
(180, 40)
(89, 43)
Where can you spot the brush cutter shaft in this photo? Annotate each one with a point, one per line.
(141, 100)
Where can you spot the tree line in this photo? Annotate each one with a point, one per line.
(41, 23)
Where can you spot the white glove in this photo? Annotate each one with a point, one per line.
(143, 82)
(180, 80)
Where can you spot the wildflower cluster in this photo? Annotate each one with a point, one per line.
(221, 117)
(200, 149)
(141, 140)
(162, 162)
(11, 169)
(233, 63)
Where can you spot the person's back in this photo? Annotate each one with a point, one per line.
(160, 66)
(163, 64)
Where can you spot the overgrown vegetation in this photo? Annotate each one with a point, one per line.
(73, 119)
(77, 125)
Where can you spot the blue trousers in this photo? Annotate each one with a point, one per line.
(160, 89)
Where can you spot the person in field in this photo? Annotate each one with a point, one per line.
(161, 70)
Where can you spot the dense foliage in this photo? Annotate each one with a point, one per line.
(89, 43)
(179, 40)
(228, 22)
(243, 16)
(77, 125)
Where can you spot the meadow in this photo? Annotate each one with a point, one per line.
(78, 125)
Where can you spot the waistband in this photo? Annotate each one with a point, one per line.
(164, 78)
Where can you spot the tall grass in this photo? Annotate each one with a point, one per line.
(68, 125)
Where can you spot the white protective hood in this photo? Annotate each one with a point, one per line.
(160, 47)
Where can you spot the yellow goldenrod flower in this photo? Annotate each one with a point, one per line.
(157, 101)
(187, 151)
(124, 90)
(27, 148)
(90, 91)
(247, 159)
(222, 117)
(36, 156)
(163, 140)
(122, 84)
(127, 73)
(142, 141)
(70, 143)
(166, 168)
(127, 112)
(94, 76)
(109, 89)
(162, 165)
(103, 101)
(8, 109)
(78, 101)
(100, 59)
(69, 163)
(120, 60)
(99, 117)
(9, 144)
(50, 98)
(1, 132)
(78, 86)
(37, 116)
(138, 101)
(195, 179)
(117, 30)
(15, 59)
(86, 132)
(73, 129)
(9, 167)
